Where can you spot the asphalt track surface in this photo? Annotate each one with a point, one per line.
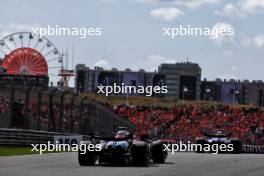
(189, 164)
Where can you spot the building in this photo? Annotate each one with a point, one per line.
(233, 92)
(255, 93)
(88, 79)
(211, 90)
(183, 80)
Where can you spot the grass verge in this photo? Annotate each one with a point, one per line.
(15, 150)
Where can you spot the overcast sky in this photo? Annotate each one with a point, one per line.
(132, 32)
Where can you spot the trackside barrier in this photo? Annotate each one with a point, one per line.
(18, 137)
(253, 149)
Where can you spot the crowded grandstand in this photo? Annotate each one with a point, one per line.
(186, 122)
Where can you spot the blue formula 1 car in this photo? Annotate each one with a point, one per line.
(219, 137)
(124, 148)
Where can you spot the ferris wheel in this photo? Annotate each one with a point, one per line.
(25, 53)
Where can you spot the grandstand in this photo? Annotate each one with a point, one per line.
(186, 122)
(53, 110)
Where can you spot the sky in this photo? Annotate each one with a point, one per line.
(133, 32)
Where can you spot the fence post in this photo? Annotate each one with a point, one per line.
(61, 111)
(81, 115)
(11, 118)
(71, 115)
(51, 113)
(39, 109)
(26, 118)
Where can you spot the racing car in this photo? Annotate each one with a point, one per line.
(219, 137)
(124, 148)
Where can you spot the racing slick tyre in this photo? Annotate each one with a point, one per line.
(87, 158)
(200, 142)
(158, 155)
(237, 145)
(140, 154)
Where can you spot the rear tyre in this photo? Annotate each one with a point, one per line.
(158, 155)
(140, 155)
(87, 158)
